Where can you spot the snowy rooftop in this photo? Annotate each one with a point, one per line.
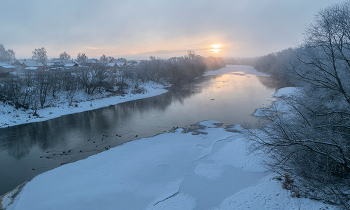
(120, 64)
(31, 68)
(70, 65)
(61, 61)
(6, 65)
(28, 62)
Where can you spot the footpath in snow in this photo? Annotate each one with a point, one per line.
(207, 167)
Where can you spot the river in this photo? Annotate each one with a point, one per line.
(30, 149)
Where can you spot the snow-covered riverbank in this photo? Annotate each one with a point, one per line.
(10, 116)
(211, 170)
(207, 168)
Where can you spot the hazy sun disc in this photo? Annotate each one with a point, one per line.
(215, 48)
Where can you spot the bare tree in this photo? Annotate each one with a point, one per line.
(40, 55)
(104, 59)
(94, 77)
(64, 56)
(110, 58)
(311, 142)
(55, 79)
(42, 87)
(6, 55)
(82, 58)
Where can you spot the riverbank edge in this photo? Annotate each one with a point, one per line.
(7, 198)
(13, 117)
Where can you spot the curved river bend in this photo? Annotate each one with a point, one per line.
(30, 149)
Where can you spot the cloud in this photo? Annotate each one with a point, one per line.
(137, 27)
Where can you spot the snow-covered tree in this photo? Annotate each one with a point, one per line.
(6, 55)
(64, 56)
(82, 58)
(311, 142)
(39, 55)
(104, 59)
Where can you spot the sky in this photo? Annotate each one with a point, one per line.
(163, 28)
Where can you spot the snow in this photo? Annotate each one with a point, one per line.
(211, 170)
(29, 62)
(169, 171)
(286, 92)
(280, 105)
(31, 68)
(262, 112)
(10, 116)
(149, 171)
(6, 199)
(269, 195)
(69, 65)
(181, 201)
(6, 65)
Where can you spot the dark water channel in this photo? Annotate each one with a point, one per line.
(30, 149)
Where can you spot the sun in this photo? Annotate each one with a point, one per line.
(215, 48)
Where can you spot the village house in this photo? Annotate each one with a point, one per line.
(91, 62)
(71, 66)
(25, 63)
(5, 69)
(131, 63)
(118, 63)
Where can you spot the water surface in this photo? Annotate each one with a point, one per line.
(29, 149)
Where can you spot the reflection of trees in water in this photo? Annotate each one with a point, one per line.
(19, 149)
(18, 140)
(270, 82)
(159, 103)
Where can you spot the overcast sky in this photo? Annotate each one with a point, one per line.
(164, 28)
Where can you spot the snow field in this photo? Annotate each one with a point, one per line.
(169, 171)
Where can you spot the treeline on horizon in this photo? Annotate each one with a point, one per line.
(309, 145)
(275, 64)
(35, 89)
